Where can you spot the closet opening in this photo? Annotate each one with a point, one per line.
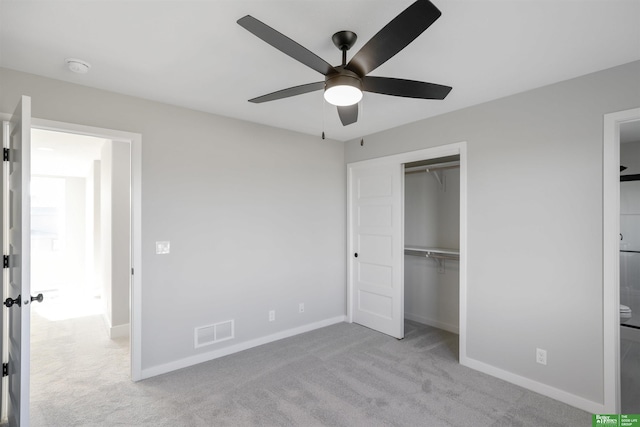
(432, 242)
(407, 240)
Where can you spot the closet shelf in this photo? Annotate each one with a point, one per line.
(433, 167)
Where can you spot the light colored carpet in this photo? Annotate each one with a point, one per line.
(341, 375)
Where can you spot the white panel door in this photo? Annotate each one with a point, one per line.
(375, 241)
(19, 263)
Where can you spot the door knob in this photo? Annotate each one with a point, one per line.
(10, 301)
(38, 298)
(356, 255)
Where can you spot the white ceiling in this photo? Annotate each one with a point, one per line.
(193, 53)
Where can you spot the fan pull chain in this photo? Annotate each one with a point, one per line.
(361, 107)
(323, 119)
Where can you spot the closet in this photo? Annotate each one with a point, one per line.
(432, 242)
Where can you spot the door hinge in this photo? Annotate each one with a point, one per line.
(5, 369)
(5, 261)
(5, 155)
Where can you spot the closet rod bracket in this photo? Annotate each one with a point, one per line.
(439, 176)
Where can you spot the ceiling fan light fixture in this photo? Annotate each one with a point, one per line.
(343, 84)
(343, 90)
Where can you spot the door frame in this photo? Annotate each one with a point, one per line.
(135, 142)
(611, 254)
(459, 148)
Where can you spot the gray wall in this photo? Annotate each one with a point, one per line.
(115, 223)
(94, 242)
(120, 232)
(255, 216)
(534, 222)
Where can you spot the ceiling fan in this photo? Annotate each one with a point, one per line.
(343, 84)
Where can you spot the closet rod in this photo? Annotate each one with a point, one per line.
(437, 254)
(433, 253)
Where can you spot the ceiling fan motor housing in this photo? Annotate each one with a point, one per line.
(343, 77)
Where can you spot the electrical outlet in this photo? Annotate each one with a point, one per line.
(272, 315)
(301, 307)
(541, 356)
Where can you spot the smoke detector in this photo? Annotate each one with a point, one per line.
(78, 65)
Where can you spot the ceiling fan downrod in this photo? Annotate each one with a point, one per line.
(344, 40)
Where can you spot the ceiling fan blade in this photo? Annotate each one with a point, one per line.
(286, 45)
(394, 37)
(286, 93)
(405, 88)
(348, 114)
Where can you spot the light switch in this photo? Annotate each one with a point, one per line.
(163, 248)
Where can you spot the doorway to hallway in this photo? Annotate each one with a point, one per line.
(80, 240)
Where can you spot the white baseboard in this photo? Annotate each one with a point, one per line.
(436, 324)
(215, 354)
(118, 331)
(544, 389)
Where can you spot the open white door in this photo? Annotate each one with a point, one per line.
(376, 245)
(19, 293)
